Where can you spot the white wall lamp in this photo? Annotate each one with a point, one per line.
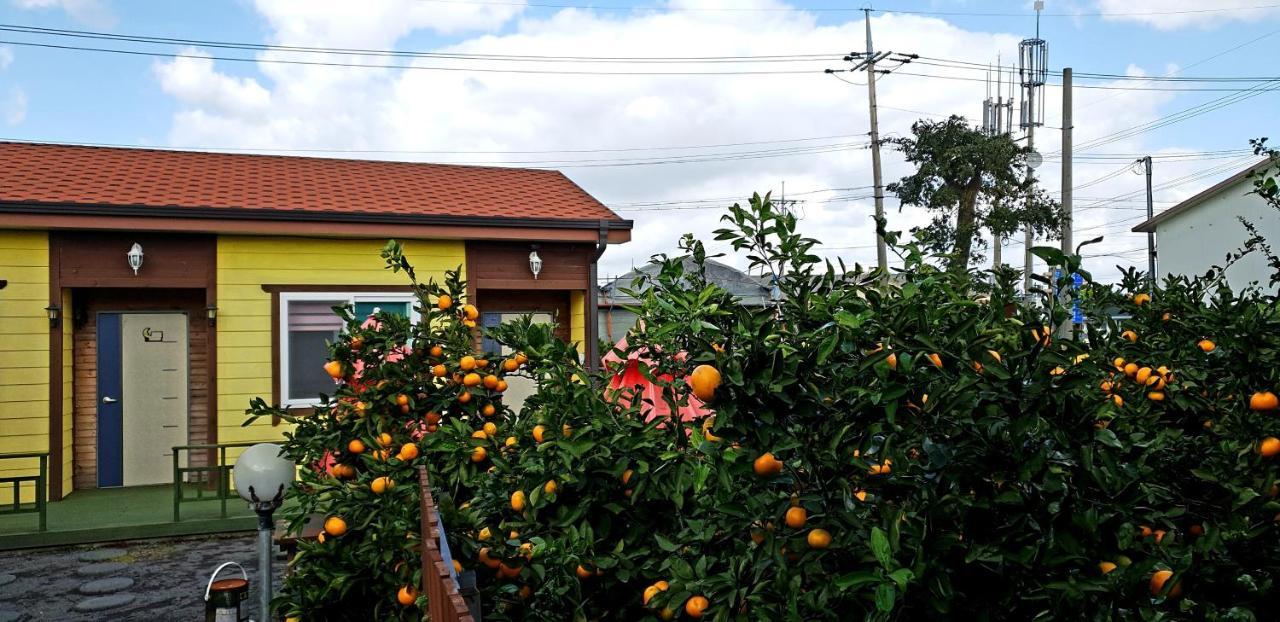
(135, 258)
(535, 262)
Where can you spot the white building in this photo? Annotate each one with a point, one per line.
(1197, 234)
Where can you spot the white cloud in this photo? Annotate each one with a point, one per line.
(6, 57)
(92, 12)
(418, 110)
(1175, 14)
(15, 106)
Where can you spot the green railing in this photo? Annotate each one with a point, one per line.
(41, 504)
(214, 483)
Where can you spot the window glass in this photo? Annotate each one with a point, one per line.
(365, 308)
(312, 326)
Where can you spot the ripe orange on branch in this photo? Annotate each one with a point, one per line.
(704, 381)
(695, 606)
(767, 465)
(1263, 401)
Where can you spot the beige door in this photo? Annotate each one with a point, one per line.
(154, 365)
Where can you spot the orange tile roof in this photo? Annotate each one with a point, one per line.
(63, 175)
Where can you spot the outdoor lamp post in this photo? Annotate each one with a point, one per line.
(262, 475)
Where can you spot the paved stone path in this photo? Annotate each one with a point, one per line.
(140, 580)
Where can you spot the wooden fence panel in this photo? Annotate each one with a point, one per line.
(444, 603)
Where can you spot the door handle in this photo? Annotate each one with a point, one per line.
(109, 400)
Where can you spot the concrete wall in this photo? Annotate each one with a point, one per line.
(1199, 238)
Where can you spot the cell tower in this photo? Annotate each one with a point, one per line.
(997, 112)
(1033, 63)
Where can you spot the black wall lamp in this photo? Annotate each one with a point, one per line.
(211, 312)
(55, 313)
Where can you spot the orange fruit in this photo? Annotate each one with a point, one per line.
(662, 585)
(470, 312)
(402, 399)
(566, 430)
(796, 517)
(649, 593)
(470, 380)
(1141, 299)
(977, 367)
(1207, 346)
(355, 446)
(995, 355)
(521, 358)
(538, 432)
(437, 351)
(1130, 335)
(334, 369)
(525, 592)
(1269, 446)
(1131, 369)
(444, 302)
(704, 381)
(335, 526)
(479, 454)
(1158, 581)
(582, 572)
(433, 418)
(1105, 567)
(1144, 531)
(667, 613)
(457, 566)
(408, 451)
(1119, 363)
(892, 360)
(1196, 530)
(488, 561)
(381, 485)
(819, 539)
(510, 365)
(860, 495)
(1106, 386)
(626, 476)
(490, 429)
(489, 410)
(384, 439)
(767, 465)
(883, 468)
(510, 442)
(479, 434)
(550, 487)
(1156, 396)
(1263, 401)
(482, 363)
(490, 381)
(936, 360)
(407, 595)
(1142, 375)
(518, 501)
(1159, 535)
(439, 371)
(464, 397)
(695, 606)
(1119, 401)
(467, 363)
(502, 386)
(508, 571)
(484, 534)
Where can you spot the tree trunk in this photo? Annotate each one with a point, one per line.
(966, 215)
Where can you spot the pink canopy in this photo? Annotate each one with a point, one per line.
(630, 384)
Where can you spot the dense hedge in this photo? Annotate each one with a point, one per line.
(946, 453)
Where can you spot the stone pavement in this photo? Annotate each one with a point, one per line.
(138, 580)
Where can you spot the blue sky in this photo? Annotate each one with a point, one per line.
(106, 98)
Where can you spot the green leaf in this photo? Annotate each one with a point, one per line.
(880, 547)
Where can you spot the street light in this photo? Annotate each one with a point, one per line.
(262, 475)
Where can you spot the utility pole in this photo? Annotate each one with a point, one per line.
(867, 62)
(1066, 162)
(1151, 236)
(882, 255)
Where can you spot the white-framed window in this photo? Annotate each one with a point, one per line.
(308, 325)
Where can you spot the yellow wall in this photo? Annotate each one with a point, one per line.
(578, 319)
(24, 350)
(245, 264)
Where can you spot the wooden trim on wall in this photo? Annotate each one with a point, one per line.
(211, 300)
(276, 289)
(55, 374)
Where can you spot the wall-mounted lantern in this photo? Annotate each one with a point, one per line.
(135, 258)
(211, 312)
(55, 313)
(535, 262)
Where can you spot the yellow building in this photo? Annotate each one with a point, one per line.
(147, 295)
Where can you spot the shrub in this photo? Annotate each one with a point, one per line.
(945, 454)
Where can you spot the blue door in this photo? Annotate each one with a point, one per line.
(110, 402)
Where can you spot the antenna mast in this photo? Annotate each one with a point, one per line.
(1033, 59)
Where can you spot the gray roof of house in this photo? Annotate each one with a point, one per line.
(1210, 192)
(753, 290)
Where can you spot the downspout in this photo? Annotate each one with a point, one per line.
(592, 312)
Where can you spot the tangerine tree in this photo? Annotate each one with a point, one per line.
(914, 445)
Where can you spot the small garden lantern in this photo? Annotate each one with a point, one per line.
(211, 312)
(535, 263)
(135, 258)
(55, 313)
(262, 475)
